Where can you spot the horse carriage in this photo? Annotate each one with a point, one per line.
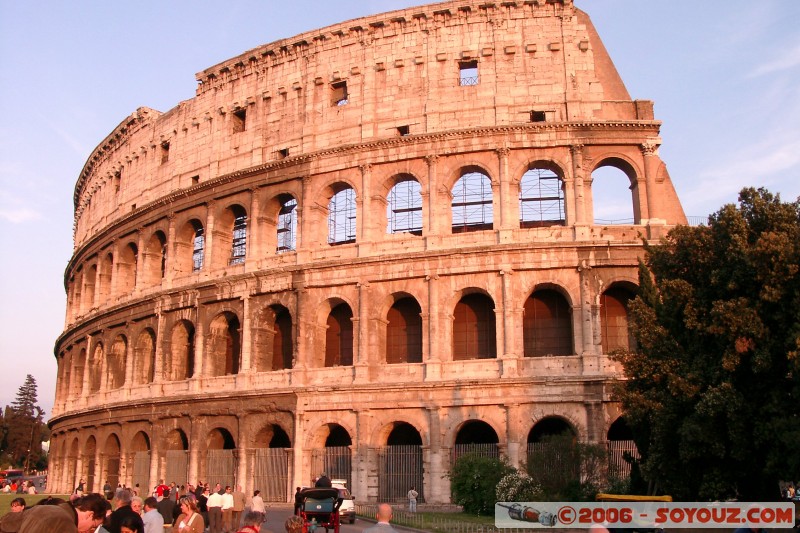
(320, 509)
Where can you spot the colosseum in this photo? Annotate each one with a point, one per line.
(362, 250)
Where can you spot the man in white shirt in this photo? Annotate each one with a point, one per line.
(383, 516)
(214, 505)
(153, 521)
(227, 510)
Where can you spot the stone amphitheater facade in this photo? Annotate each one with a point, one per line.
(363, 249)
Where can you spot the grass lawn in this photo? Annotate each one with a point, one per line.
(439, 522)
(5, 500)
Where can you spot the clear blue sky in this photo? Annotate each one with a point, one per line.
(724, 75)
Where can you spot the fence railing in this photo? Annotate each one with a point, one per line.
(436, 523)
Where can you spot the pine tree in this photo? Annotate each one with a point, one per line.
(25, 425)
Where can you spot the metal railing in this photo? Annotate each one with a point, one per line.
(425, 522)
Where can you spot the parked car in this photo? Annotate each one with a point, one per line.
(347, 511)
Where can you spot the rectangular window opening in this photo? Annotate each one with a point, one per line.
(238, 118)
(283, 153)
(339, 90)
(468, 73)
(164, 152)
(538, 116)
(195, 180)
(403, 130)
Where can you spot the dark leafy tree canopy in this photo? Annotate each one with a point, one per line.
(713, 391)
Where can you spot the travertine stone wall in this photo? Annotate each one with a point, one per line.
(163, 357)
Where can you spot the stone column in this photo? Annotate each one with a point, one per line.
(362, 352)
(585, 308)
(139, 282)
(304, 218)
(507, 198)
(161, 336)
(650, 155)
(195, 441)
(509, 359)
(435, 480)
(170, 266)
(364, 212)
(247, 336)
(433, 225)
(578, 176)
(208, 246)
(254, 250)
(433, 363)
(129, 363)
(155, 451)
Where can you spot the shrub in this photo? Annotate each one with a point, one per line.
(473, 482)
(518, 487)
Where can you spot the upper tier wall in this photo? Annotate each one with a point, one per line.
(399, 69)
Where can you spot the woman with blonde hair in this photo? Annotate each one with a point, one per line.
(190, 519)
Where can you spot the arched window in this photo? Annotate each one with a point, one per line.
(404, 209)
(547, 325)
(287, 224)
(472, 203)
(96, 365)
(339, 337)
(474, 328)
(239, 236)
(223, 356)
(104, 278)
(127, 269)
(282, 345)
(76, 381)
(144, 357)
(614, 193)
(614, 320)
(342, 217)
(155, 258)
(89, 281)
(541, 199)
(198, 246)
(404, 332)
(117, 362)
(180, 365)
(273, 348)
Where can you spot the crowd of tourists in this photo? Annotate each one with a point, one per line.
(182, 509)
(185, 509)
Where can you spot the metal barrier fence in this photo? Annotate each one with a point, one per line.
(336, 461)
(483, 450)
(177, 466)
(400, 469)
(221, 467)
(618, 467)
(437, 523)
(271, 473)
(141, 472)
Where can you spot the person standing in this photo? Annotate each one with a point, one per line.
(412, 500)
(383, 516)
(238, 507)
(153, 521)
(214, 505)
(167, 507)
(257, 503)
(190, 520)
(227, 510)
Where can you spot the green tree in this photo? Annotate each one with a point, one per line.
(25, 427)
(713, 391)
